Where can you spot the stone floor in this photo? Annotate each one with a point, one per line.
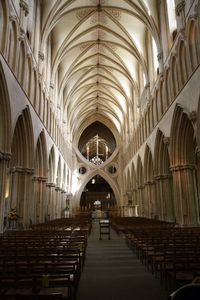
(113, 272)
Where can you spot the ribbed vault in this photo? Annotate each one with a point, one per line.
(99, 56)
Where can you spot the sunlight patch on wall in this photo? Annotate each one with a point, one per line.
(171, 15)
(155, 55)
(122, 102)
(75, 185)
(147, 7)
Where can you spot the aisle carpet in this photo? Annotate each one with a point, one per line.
(112, 272)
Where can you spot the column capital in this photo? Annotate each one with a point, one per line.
(166, 140)
(58, 189)
(63, 191)
(193, 16)
(175, 168)
(149, 182)
(40, 178)
(162, 176)
(5, 156)
(50, 184)
(193, 116)
(140, 187)
(22, 170)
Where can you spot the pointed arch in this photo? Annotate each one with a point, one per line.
(4, 21)
(183, 142)
(22, 167)
(149, 184)
(160, 99)
(106, 177)
(163, 179)
(23, 141)
(154, 109)
(174, 77)
(140, 176)
(134, 188)
(64, 180)
(13, 44)
(5, 145)
(93, 120)
(148, 165)
(34, 92)
(140, 187)
(41, 156)
(128, 180)
(51, 170)
(59, 173)
(183, 160)
(182, 63)
(21, 72)
(30, 84)
(40, 178)
(193, 43)
(162, 162)
(133, 176)
(5, 114)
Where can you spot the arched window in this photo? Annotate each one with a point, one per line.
(155, 56)
(171, 16)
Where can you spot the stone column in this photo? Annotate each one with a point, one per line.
(68, 201)
(165, 205)
(185, 194)
(129, 197)
(63, 203)
(140, 197)
(74, 205)
(146, 201)
(135, 202)
(4, 159)
(39, 198)
(149, 199)
(58, 202)
(134, 196)
(50, 213)
(21, 194)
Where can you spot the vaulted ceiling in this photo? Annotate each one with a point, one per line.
(98, 47)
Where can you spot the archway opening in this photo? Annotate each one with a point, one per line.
(98, 196)
(97, 143)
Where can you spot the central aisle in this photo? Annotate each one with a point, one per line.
(112, 272)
